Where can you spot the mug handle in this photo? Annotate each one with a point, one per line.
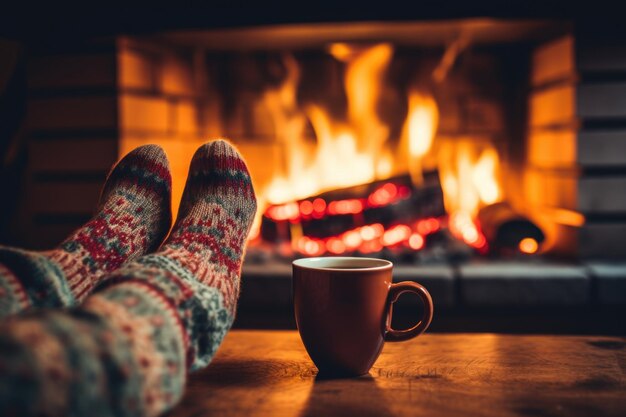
(395, 292)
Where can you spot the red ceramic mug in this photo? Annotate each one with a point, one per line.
(343, 311)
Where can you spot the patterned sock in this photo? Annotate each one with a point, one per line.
(132, 219)
(127, 350)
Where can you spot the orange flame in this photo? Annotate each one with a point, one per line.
(469, 182)
(422, 124)
(355, 150)
(348, 153)
(420, 127)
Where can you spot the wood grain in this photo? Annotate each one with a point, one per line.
(268, 373)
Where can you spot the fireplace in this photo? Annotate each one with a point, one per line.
(440, 124)
(441, 145)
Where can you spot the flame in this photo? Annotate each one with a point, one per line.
(420, 129)
(348, 152)
(566, 217)
(469, 182)
(363, 83)
(422, 124)
(355, 149)
(484, 177)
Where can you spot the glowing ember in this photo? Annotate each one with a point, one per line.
(352, 239)
(370, 238)
(335, 246)
(427, 226)
(396, 235)
(388, 193)
(528, 245)
(371, 247)
(372, 232)
(345, 207)
(284, 212)
(383, 196)
(311, 247)
(319, 207)
(306, 208)
(416, 241)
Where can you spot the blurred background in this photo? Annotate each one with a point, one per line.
(481, 148)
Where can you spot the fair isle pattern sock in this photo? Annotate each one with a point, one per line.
(133, 217)
(151, 320)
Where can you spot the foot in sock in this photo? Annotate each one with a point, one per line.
(197, 269)
(150, 321)
(133, 218)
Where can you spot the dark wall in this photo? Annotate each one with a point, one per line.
(53, 22)
(12, 111)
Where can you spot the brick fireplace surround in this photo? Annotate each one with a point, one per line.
(88, 106)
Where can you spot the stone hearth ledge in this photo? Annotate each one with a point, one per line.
(610, 279)
(517, 284)
(267, 287)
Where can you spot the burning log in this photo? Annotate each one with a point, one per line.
(381, 205)
(508, 230)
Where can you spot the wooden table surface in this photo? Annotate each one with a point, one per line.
(268, 373)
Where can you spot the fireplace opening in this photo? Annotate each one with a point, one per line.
(406, 140)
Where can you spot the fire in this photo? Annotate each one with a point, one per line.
(421, 125)
(386, 194)
(396, 234)
(365, 239)
(348, 152)
(356, 148)
(469, 181)
(484, 177)
(416, 241)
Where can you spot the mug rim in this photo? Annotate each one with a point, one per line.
(305, 263)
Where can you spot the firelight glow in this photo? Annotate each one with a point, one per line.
(365, 239)
(348, 152)
(469, 181)
(484, 177)
(356, 149)
(422, 124)
(388, 193)
(528, 245)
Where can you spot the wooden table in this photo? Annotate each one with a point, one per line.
(268, 373)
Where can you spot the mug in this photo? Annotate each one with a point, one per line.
(343, 308)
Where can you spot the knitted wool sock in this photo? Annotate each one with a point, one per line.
(132, 219)
(126, 351)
